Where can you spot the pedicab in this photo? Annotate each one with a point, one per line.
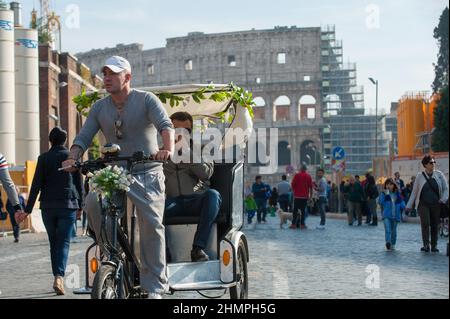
(117, 276)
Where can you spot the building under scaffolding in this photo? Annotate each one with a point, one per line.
(344, 113)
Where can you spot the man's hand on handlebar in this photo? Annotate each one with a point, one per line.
(163, 155)
(69, 165)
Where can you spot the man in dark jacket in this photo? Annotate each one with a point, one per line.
(188, 192)
(261, 192)
(355, 196)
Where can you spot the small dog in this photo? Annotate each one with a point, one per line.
(284, 217)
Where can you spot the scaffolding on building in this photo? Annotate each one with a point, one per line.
(344, 113)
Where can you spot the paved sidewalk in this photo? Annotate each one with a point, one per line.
(338, 262)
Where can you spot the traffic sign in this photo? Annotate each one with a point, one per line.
(338, 165)
(338, 153)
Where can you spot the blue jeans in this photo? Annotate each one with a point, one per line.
(284, 202)
(322, 204)
(250, 214)
(262, 209)
(59, 225)
(390, 230)
(207, 205)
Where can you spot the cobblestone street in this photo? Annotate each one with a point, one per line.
(284, 263)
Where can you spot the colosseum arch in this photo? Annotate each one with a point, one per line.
(259, 109)
(284, 153)
(307, 107)
(281, 108)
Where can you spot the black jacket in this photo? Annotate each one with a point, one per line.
(54, 185)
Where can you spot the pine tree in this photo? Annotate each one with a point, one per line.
(440, 135)
(441, 68)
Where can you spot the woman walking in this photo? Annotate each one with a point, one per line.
(429, 192)
(60, 202)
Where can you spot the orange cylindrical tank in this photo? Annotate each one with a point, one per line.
(410, 116)
(429, 117)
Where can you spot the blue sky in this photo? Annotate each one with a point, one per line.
(390, 40)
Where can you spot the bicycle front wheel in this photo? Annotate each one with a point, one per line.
(106, 285)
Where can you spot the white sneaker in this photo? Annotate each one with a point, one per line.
(392, 247)
(154, 295)
(321, 227)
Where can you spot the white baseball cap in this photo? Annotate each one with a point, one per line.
(117, 64)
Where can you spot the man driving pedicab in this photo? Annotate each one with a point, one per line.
(132, 119)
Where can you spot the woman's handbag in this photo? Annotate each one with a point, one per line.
(3, 215)
(443, 207)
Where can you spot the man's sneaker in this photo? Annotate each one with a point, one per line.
(321, 227)
(303, 227)
(198, 255)
(388, 246)
(425, 249)
(292, 226)
(16, 240)
(434, 250)
(154, 295)
(393, 247)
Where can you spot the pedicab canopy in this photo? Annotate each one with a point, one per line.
(227, 103)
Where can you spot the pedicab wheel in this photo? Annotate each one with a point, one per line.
(445, 228)
(105, 284)
(240, 291)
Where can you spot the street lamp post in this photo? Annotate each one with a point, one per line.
(376, 115)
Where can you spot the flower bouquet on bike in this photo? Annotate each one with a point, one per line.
(111, 182)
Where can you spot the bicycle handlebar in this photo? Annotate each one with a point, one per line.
(91, 165)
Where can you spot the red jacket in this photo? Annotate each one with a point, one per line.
(301, 185)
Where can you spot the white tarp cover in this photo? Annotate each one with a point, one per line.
(205, 108)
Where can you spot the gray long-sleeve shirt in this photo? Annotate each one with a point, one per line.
(7, 182)
(142, 117)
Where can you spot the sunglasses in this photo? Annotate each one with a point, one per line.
(118, 125)
(432, 162)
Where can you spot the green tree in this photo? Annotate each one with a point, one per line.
(441, 67)
(94, 149)
(440, 135)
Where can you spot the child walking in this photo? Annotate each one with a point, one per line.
(250, 207)
(392, 204)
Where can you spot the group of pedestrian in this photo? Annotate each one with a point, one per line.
(427, 193)
(298, 197)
